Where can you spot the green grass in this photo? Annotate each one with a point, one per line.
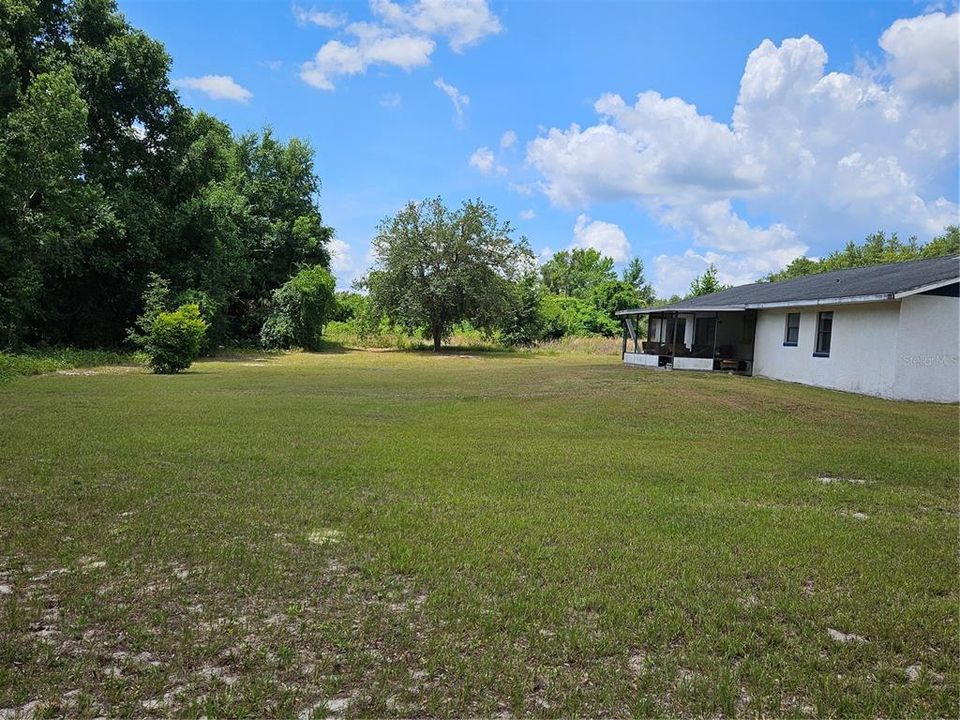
(500, 534)
(37, 362)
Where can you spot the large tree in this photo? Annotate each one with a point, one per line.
(577, 272)
(435, 267)
(105, 178)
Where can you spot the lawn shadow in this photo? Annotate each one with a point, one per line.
(464, 351)
(260, 356)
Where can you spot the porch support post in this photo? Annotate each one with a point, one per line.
(636, 334)
(623, 351)
(673, 345)
(716, 331)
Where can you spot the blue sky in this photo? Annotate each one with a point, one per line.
(740, 152)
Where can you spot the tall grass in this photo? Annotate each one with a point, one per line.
(36, 361)
(466, 338)
(579, 345)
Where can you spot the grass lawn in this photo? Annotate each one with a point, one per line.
(364, 533)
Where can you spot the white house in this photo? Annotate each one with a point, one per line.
(886, 330)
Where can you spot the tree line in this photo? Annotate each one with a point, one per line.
(436, 268)
(107, 183)
(127, 217)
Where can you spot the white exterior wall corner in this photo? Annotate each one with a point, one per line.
(927, 363)
(863, 350)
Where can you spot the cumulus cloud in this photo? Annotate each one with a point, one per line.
(341, 258)
(922, 56)
(344, 263)
(605, 237)
(824, 156)
(462, 22)
(217, 87)
(485, 161)
(312, 16)
(508, 140)
(374, 46)
(458, 99)
(401, 35)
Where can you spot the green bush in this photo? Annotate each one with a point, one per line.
(174, 339)
(301, 307)
(350, 306)
(565, 315)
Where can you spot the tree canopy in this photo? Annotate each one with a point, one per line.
(435, 267)
(706, 283)
(106, 178)
(876, 249)
(577, 272)
(634, 274)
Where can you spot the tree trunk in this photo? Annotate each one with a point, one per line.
(436, 340)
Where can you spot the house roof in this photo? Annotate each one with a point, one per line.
(877, 283)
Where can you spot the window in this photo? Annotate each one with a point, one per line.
(824, 331)
(791, 334)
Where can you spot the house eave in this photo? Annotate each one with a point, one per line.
(927, 288)
(669, 309)
(850, 300)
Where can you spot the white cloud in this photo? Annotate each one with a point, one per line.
(391, 100)
(341, 257)
(374, 46)
(826, 156)
(527, 214)
(525, 189)
(605, 237)
(458, 99)
(462, 22)
(312, 16)
(217, 87)
(402, 36)
(922, 56)
(508, 140)
(484, 160)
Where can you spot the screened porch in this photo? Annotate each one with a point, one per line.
(690, 340)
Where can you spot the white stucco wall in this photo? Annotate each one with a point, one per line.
(691, 363)
(928, 349)
(640, 359)
(863, 350)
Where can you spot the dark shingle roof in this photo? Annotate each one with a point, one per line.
(878, 282)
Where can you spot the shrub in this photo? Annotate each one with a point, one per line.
(350, 306)
(301, 307)
(174, 339)
(564, 315)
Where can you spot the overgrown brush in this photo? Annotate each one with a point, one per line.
(38, 361)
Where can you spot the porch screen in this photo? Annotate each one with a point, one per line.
(704, 331)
